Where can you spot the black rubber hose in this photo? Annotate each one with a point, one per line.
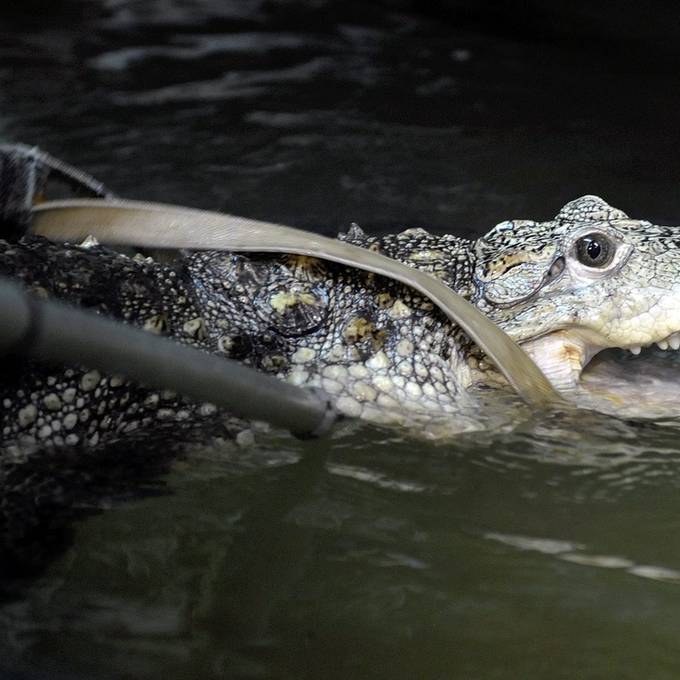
(54, 332)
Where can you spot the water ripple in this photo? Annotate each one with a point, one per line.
(574, 553)
(198, 46)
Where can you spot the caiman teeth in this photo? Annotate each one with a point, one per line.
(672, 342)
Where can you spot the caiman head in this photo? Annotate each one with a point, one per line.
(588, 280)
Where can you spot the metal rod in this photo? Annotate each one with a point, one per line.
(54, 332)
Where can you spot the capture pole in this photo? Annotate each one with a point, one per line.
(51, 331)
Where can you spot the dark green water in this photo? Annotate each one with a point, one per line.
(542, 554)
(549, 551)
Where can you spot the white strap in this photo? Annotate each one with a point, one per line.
(157, 225)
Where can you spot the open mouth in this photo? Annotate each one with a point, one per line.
(635, 380)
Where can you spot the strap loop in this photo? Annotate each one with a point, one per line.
(158, 225)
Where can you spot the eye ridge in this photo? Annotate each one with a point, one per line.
(594, 250)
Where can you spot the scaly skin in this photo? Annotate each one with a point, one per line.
(379, 348)
(531, 283)
(384, 353)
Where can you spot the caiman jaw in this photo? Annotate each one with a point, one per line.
(563, 355)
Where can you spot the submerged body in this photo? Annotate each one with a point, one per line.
(566, 289)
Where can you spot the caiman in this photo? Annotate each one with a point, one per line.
(587, 280)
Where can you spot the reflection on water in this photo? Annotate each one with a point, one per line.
(539, 547)
(570, 552)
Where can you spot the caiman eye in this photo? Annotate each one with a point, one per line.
(595, 250)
